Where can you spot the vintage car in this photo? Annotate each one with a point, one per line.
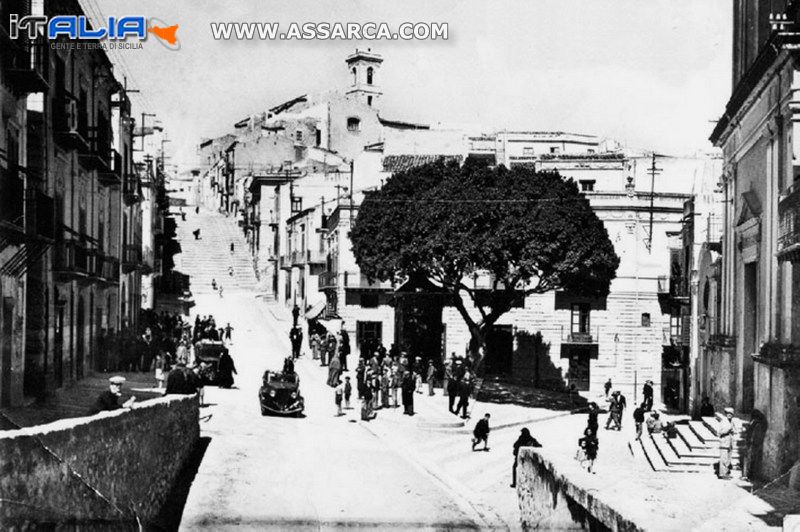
(206, 354)
(280, 394)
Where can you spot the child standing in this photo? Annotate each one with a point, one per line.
(339, 393)
(348, 391)
(158, 364)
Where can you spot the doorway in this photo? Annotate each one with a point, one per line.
(749, 334)
(369, 336)
(6, 350)
(579, 369)
(499, 350)
(81, 340)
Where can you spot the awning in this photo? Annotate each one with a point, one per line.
(316, 309)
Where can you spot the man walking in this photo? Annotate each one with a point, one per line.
(481, 433)
(638, 419)
(464, 389)
(344, 347)
(647, 392)
(228, 330)
(607, 387)
(726, 431)
(296, 338)
(431, 376)
(408, 393)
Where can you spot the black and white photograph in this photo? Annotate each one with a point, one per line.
(400, 265)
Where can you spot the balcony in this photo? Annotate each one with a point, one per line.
(105, 268)
(789, 225)
(40, 215)
(12, 202)
(71, 123)
(131, 257)
(350, 280)
(72, 259)
(582, 337)
(99, 155)
(316, 256)
(26, 65)
(778, 355)
(297, 258)
(130, 189)
(714, 231)
(111, 175)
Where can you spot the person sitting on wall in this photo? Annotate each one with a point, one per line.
(109, 399)
(654, 424)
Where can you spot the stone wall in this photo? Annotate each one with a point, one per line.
(549, 500)
(777, 396)
(111, 467)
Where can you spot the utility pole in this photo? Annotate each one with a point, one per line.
(142, 133)
(653, 171)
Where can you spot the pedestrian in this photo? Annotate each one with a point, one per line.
(228, 331)
(338, 396)
(231, 248)
(109, 399)
(348, 392)
(614, 412)
(386, 379)
(525, 440)
(594, 411)
(315, 346)
(196, 234)
(431, 376)
(590, 445)
(197, 210)
(395, 384)
(647, 393)
(706, 408)
(607, 387)
(481, 433)
(448, 375)
(334, 372)
(464, 389)
(408, 393)
(225, 370)
(366, 404)
(344, 347)
(158, 366)
(296, 339)
(417, 382)
(295, 314)
(638, 419)
(726, 431)
(452, 393)
(330, 349)
(230, 271)
(360, 370)
(220, 291)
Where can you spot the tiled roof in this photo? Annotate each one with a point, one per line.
(399, 163)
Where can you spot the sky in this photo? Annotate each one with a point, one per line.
(651, 74)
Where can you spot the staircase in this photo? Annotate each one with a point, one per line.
(210, 258)
(694, 450)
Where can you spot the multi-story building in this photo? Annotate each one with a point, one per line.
(754, 362)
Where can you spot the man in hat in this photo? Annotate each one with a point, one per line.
(109, 399)
(726, 431)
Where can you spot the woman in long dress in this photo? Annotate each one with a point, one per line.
(334, 371)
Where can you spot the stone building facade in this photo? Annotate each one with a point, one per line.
(757, 335)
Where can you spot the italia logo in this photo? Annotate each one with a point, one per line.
(80, 28)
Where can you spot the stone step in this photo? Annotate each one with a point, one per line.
(703, 433)
(672, 458)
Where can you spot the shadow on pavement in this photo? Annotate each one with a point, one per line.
(495, 390)
(169, 518)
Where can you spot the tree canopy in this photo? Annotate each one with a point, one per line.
(529, 232)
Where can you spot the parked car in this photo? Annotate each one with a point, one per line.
(280, 394)
(207, 354)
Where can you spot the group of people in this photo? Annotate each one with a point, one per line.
(205, 328)
(458, 384)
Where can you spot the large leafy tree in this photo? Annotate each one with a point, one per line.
(528, 232)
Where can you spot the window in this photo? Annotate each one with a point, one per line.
(355, 76)
(587, 185)
(590, 151)
(580, 318)
(353, 124)
(527, 152)
(555, 150)
(298, 135)
(318, 139)
(675, 328)
(370, 71)
(645, 319)
(369, 300)
(369, 101)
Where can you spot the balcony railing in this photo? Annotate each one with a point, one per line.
(40, 215)
(131, 257)
(12, 198)
(112, 174)
(100, 152)
(316, 256)
(789, 225)
(71, 123)
(714, 229)
(778, 354)
(130, 188)
(72, 257)
(27, 65)
(679, 287)
(106, 268)
(351, 280)
(588, 336)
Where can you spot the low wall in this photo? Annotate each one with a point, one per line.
(550, 501)
(96, 469)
